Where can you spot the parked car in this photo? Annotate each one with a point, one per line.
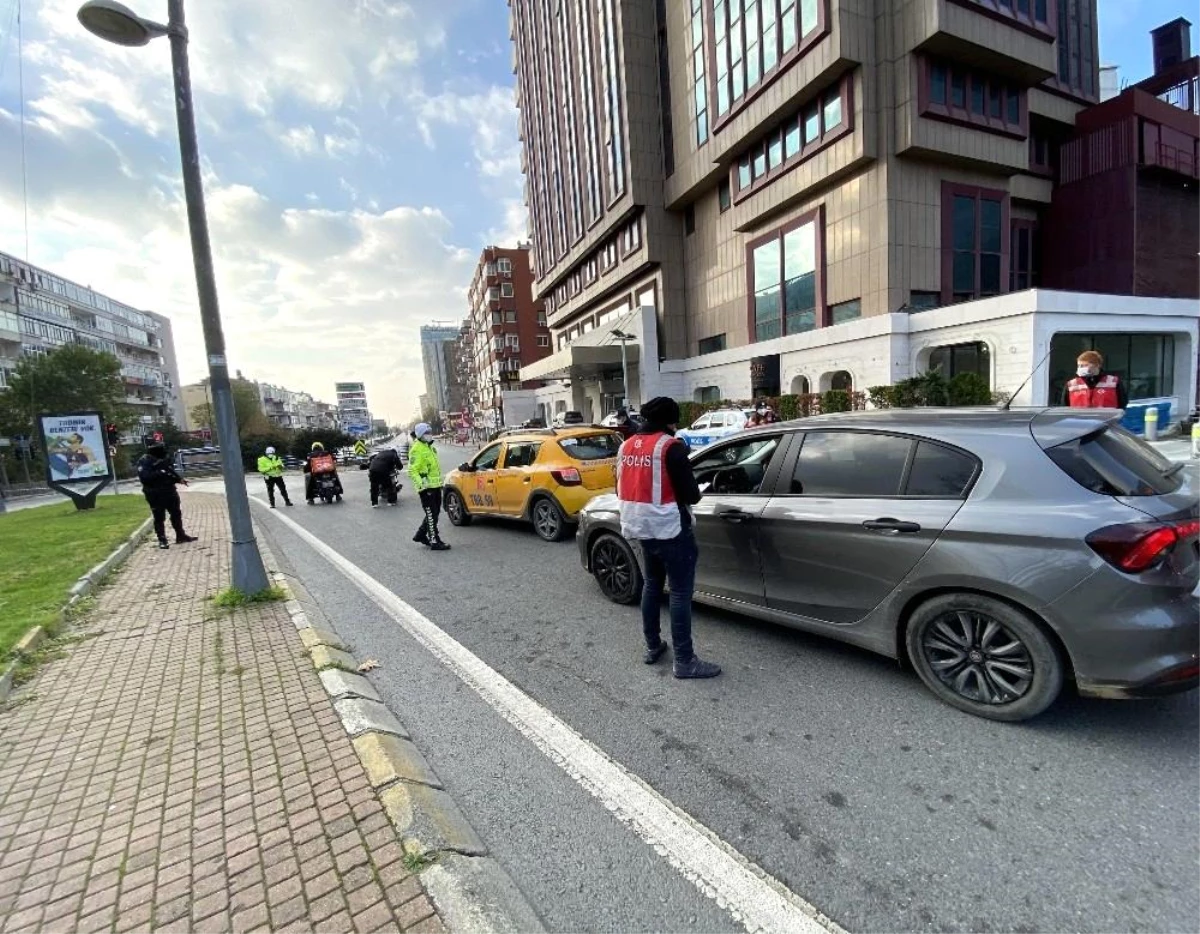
(544, 477)
(564, 419)
(713, 426)
(998, 553)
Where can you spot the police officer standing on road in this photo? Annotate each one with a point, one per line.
(1092, 388)
(426, 475)
(159, 480)
(656, 487)
(271, 465)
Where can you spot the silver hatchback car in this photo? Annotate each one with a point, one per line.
(999, 553)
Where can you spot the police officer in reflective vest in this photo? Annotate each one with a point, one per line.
(271, 466)
(656, 487)
(1092, 388)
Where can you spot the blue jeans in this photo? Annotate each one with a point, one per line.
(672, 560)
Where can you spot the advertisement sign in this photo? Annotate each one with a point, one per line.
(78, 463)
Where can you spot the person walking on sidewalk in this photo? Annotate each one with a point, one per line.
(159, 480)
(271, 465)
(426, 474)
(380, 470)
(656, 488)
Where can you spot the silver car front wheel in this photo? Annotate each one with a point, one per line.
(984, 656)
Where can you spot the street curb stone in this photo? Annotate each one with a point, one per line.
(33, 639)
(471, 890)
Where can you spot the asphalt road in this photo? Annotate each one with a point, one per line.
(831, 768)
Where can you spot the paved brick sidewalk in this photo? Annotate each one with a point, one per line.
(184, 769)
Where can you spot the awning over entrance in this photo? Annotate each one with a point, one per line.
(592, 353)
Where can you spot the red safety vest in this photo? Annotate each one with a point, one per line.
(648, 506)
(1103, 396)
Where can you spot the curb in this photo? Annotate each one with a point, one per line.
(471, 890)
(33, 639)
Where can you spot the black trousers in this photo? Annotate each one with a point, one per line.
(431, 503)
(382, 482)
(273, 482)
(164, 503)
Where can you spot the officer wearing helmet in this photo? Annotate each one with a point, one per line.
(271, 465)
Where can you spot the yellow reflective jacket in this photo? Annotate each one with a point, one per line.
(423, 466)
(270, 465)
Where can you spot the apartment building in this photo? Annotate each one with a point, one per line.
(798, 195)
(505, 330)
(354, 415)
(40, 311)
(439, 354)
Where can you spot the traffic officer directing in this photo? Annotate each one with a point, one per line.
(1092, 388)
(159, 480)
(656, 488)
(426, 474)
(271, 465)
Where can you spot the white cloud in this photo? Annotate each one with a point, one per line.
(490, 116)
(301, 140)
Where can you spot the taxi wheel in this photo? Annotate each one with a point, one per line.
(548, 520)
(456, 509)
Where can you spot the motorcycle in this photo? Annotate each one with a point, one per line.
(326, 488)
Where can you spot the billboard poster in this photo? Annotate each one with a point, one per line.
(78, 462)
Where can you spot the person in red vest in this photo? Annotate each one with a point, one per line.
(1092, 388)
(656, 487)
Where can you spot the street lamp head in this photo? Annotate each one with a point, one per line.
(115, 22)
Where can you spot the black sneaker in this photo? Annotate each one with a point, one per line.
(439, 546)
(164, 544)
(654, 654)
(184, 539)
(696, 669)
(420, 540)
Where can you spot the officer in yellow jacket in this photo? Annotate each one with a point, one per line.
(270, 465)
(426, 474)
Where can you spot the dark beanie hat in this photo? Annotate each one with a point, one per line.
(661, 411)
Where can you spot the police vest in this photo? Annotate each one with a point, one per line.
(648, 506)
(1103, 396)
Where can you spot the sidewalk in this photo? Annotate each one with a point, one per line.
(182, 768)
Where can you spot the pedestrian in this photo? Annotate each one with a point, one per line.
(426, 474)
(380, 470)
(656, 488)
(159, 480)
(1092, 388)
(271, 466)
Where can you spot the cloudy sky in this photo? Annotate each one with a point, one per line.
(358, 155)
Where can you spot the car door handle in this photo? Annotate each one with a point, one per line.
(734, 515)
(528, 480)
(891, 526)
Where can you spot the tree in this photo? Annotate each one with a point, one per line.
(333, 439)
(246, 404)
(72, 378)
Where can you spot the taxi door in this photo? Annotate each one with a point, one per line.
(480, 483)
(514, 479)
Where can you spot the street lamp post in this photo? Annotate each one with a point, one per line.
(624, 338)
(116, 23)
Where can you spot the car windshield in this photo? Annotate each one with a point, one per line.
(1116, 462)
(591, 447)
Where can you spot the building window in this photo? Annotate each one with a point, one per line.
(754, 40)
(785, 294)
(1032, 15)
(699, 83)
(541, 319)
(614, 142)
(493, 294)
(923, 301)
(504, 264)
(1144, 362)
(957, 94)
(1043, 154)
(841, 380)
(952, 359)
(506, 290)
(799, 137)
(712, 344)
(689, 220)
(1074, 31)
(974, 248)
(1023, 253)
(510, 317)
(707, 395)
(543, 340)
(723, 196)
(631, 238)
(845, 311)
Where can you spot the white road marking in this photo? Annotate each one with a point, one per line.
(755, 899)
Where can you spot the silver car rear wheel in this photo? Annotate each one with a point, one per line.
(984, 656)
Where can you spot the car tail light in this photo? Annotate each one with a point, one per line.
(568, 476)
(1136, 546)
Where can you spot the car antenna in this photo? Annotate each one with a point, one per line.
(1007, 403)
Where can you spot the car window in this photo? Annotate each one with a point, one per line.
(521, 454)
(488, 457)
(939, 471)
(736, 468)
(1116, 462)
(701, 423)
(591, 447)
(845, 463)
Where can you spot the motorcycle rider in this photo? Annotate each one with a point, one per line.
(271, 466)
(426, 475)
(159, 480)
(380, 468)
(318, 449)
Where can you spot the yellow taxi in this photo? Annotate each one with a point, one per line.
(543, 476)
